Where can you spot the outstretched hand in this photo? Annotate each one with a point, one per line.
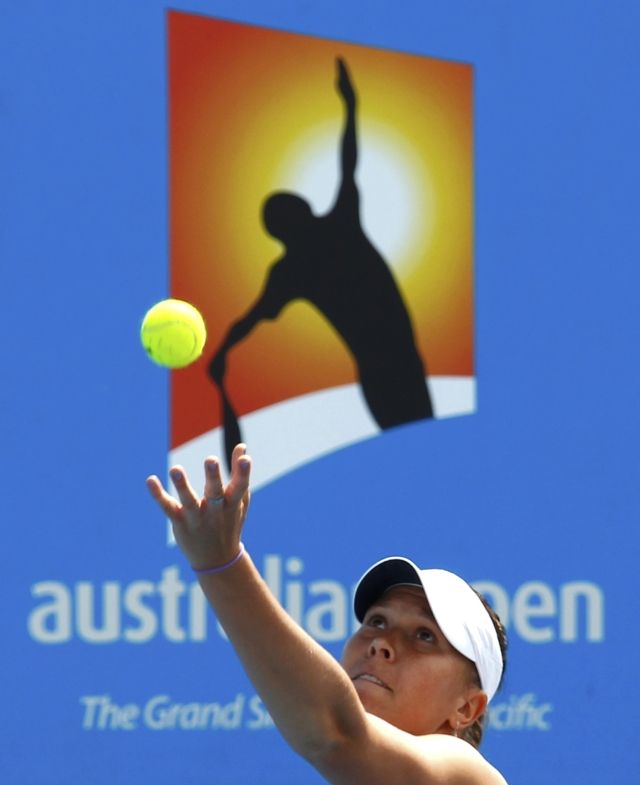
(207, 528)
(343, 82)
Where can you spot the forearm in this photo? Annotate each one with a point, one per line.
(349, 142)
(309, 696)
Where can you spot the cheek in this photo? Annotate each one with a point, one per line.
(437, 676)
(464, 671)
(348, 653)
(354, 649)
(453, 679)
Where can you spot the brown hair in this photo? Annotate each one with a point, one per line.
(473, 733)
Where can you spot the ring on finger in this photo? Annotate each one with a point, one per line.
(215, 501)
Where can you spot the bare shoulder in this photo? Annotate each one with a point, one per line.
(462, 762)
(393, 756)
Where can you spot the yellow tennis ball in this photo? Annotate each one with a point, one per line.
(173, 332)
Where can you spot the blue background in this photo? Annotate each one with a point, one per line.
(540, 484)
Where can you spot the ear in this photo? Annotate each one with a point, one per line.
(471, 706)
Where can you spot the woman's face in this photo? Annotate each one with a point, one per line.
(403, 668)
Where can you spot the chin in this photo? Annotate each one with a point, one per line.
(369, 702)
(364, 699)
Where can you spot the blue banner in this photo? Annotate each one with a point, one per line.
(523, 475)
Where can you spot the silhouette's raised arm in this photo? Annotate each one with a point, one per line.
(349, 149)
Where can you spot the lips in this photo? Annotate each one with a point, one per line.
(372, 679)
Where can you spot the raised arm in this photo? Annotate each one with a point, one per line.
(349, 145)
(310, 697)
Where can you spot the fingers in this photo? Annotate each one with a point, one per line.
(164, 499)
(213, 487)
(238, 487)
(185, 492)
(238, 451)
(188, 502)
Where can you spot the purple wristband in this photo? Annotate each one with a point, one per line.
(222, 567)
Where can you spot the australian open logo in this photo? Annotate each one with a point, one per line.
(321, 219)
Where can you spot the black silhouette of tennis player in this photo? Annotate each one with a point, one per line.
(329, 262)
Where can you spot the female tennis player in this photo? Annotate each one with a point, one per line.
(405, 705)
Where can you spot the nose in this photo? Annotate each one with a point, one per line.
(382, 647)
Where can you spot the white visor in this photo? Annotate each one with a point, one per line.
(457, 609)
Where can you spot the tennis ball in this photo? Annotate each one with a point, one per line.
(173, 332)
